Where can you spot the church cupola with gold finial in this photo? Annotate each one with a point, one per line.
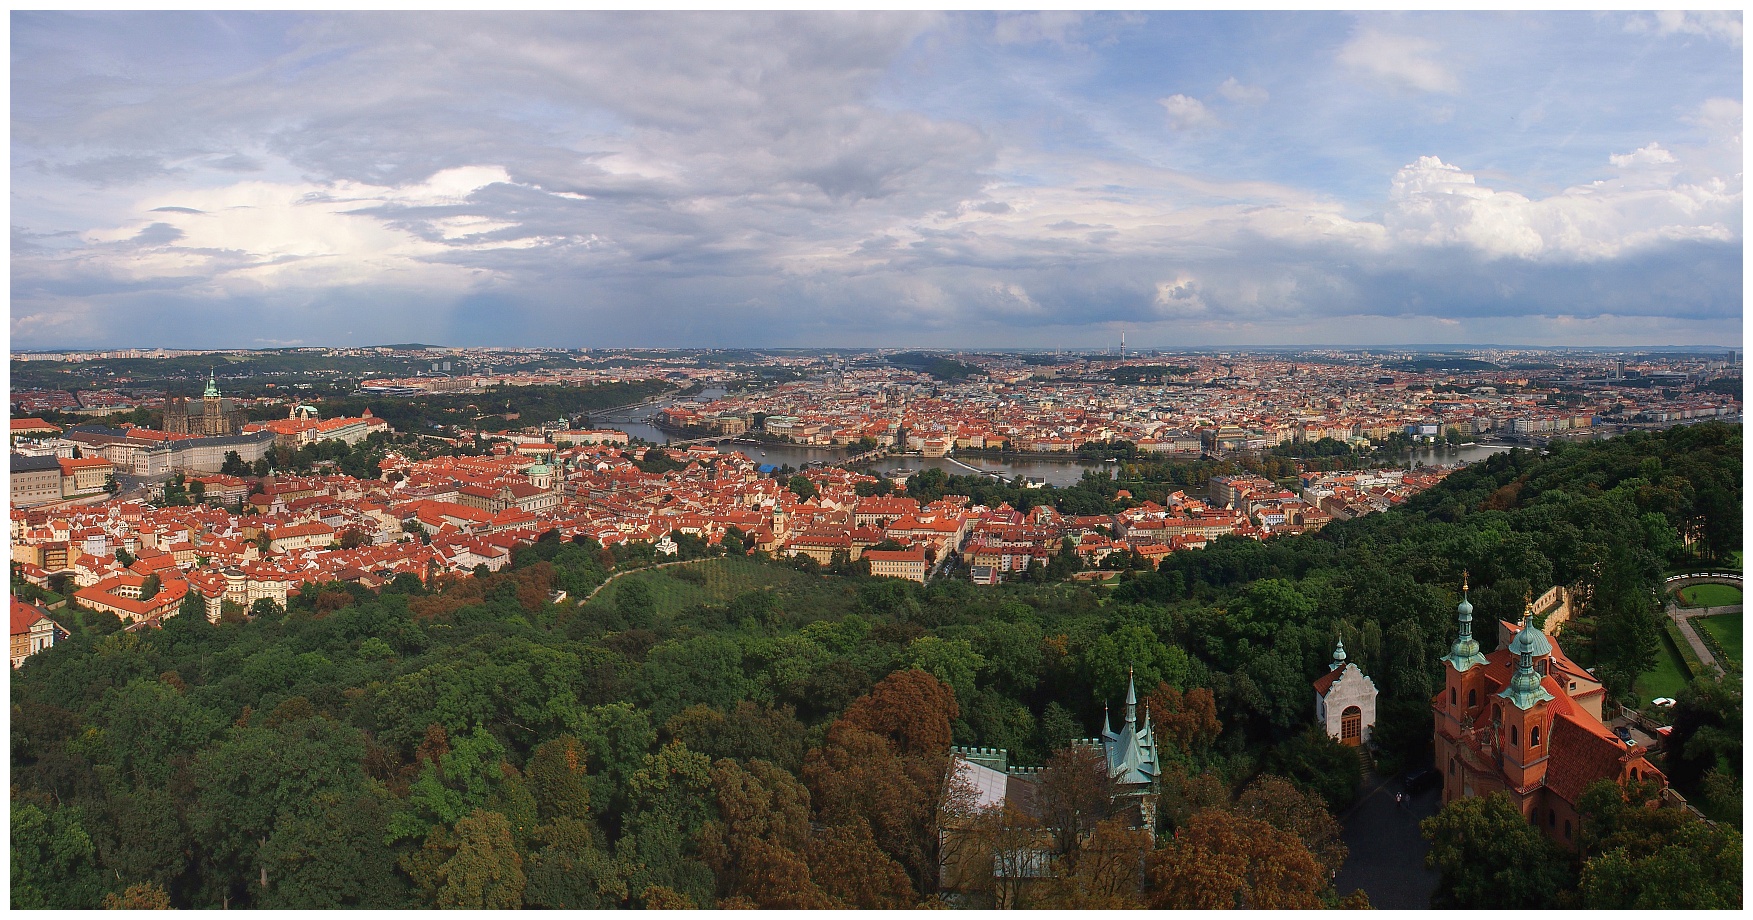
(1464, 653)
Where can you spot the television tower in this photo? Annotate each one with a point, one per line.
(1122, 344)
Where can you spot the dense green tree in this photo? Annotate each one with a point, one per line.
(54, 863)
(1492, 858)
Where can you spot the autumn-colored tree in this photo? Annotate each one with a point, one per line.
(1181, 795)
(850, 868)
(992, 855)
(1186, 721)
(1222, 861)
(657, 897)
(760, 837)
(1107, 874)
(860, 777)
(912, 708)
(1076, 794)
(474, 866)
(143, 896)
(1278, 802)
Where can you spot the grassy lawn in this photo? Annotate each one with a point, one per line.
(1727, 630)
(720, 581)
(1709, 595)
(1668, 677)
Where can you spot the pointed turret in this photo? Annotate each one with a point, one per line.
(1464, 653)
(212, 387)
(1131, 702)
(1338, 656)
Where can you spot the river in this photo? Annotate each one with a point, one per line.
(637, 423)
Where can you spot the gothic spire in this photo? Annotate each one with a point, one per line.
(1131, 701)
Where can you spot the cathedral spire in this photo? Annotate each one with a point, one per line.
(1464, 653)
(212, 386)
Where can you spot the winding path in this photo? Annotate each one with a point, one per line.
(646, 568)
(1682, 616)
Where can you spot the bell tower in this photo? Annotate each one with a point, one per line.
(1462, 703)
(1525, 725)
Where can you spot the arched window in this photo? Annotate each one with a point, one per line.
(1534, 737)
(1551, 818)
(1567, 828)
(1512, 735)
(1451, 766)
(1472, 697)
(1451, 696)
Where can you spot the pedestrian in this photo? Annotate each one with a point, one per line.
(1400, 800)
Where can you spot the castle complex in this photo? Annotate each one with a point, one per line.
(218, 416)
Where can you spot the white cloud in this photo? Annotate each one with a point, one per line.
(1401, 59)
(1233, 90)
(1652, 155)
(1720, 24)
(1435, 204)
(254, 234)
(1187, 113)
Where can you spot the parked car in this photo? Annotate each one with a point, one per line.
(1419, 780)
(1662, 701)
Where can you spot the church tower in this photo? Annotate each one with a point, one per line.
(1462, 699)
(1524, 724)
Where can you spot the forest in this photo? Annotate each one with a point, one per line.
(732, 731)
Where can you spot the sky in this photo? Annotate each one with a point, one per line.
(1000, 180)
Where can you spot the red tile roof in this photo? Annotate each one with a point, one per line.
(24, 616)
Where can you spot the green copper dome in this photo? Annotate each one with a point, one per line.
(212, 387)
(1525, 689)
(1464, 653)
(1530, 641)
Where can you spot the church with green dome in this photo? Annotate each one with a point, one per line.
(1526, 720)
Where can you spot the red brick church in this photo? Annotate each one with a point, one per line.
(1526, 720)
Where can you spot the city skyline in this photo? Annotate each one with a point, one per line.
(958, 181)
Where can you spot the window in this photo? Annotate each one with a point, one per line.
(1512, 735)
(1534, 737)
(1567, 828)
(1451, 766)
(1451, 696)
(1551, 818)
(1472, 697)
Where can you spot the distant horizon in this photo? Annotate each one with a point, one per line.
(977, 349)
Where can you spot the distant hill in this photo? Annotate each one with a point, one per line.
(937, 366)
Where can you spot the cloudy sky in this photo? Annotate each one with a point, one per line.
(250, 180)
